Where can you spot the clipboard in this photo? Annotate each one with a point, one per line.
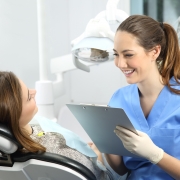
(99, 123)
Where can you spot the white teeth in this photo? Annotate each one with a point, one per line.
(128, 72)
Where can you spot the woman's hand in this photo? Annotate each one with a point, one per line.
(140, 144)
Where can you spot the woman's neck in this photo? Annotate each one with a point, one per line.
(150, 87)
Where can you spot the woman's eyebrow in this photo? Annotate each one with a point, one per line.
(126, 50)
(123, 50)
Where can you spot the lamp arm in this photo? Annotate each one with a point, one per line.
(48, 91)
(102, 14)
(112, 13)
(121, 15)
(58, 87)
(112, 3)
(111, 8)
(42, 39)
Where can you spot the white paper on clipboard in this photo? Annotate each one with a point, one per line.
(99, 123)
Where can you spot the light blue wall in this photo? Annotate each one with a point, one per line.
(136, 7)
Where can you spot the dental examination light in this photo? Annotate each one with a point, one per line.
(96, 43)
(93, 46)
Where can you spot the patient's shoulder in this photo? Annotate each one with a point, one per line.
(36, 128)
(51, 140)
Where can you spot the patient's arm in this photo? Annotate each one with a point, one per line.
(96, 150)
(116, 163)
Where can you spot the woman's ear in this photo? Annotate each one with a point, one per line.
(155, 52)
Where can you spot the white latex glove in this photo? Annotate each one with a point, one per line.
(140, 144)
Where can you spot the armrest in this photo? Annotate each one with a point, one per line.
(57, 159)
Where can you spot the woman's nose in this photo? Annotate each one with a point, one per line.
(121, 63)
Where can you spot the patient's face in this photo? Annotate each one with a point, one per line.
(29, 108)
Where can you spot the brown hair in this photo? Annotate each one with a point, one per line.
(11, 108)
(150, 33)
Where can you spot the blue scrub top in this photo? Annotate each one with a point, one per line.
(162, 125)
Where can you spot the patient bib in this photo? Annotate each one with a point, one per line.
(72, 139)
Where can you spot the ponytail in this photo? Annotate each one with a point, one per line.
(170, 65)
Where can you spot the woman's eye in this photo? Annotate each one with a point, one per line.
(128, 55)
(115, 54)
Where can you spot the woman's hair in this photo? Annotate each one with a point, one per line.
(150, 33)
(11, 109)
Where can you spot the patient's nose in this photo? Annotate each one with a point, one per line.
(32, 92)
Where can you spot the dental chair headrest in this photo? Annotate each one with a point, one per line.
(8, 144)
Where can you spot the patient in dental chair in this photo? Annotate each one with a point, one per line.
(17, 108)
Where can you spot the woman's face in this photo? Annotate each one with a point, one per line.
(131, 58)
(29, 108)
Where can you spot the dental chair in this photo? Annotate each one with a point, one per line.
(15, 165)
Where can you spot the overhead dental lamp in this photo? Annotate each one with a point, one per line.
(93, 46)
(96, 43)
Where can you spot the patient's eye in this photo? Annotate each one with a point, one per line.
(30, 97)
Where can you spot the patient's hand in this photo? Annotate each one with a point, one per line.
(96, 150)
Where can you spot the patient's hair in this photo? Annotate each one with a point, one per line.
(11, 109)
(150, 33)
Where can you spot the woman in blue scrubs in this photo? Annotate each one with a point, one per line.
(147, 53)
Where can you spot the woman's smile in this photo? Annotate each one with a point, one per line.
(128, 72)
